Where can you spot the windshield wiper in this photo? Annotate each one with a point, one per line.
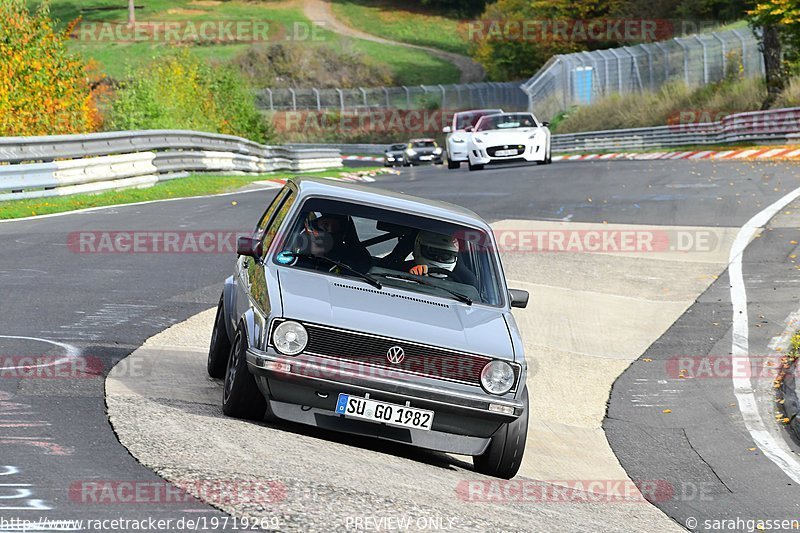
(457, 295)
(366, 277)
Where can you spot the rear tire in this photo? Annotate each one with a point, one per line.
(241, 397)
(452, 165)
(503, 457)
(220, 347)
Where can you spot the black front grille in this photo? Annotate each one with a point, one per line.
(519, 150)
(419, 359)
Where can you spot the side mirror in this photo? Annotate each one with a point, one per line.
(468, 129)
(249, 247)
(446, 129)
(519, 298)
(546, 124)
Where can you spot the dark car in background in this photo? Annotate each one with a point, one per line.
(393, 155)
(420, 151)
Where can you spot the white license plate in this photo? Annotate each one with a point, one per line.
(425, 157)
(388, 413)
(501, 153)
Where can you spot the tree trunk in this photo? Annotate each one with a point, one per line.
(773, 64)
(131, 13)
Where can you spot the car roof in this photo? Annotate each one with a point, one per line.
(388, 199)
(422, 139)
(476, 111)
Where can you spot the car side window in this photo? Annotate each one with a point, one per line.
(271, 208)
(271, 227)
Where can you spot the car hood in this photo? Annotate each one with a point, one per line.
(351, 304)
(426, 150)
(495, 137)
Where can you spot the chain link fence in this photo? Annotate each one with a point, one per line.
(506, 95)
(583, 77)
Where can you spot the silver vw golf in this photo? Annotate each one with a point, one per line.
(375, 313)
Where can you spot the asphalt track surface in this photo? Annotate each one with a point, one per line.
(54, 433)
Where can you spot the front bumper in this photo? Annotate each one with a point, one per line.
(428, 159)
(308, 391)
(480, 154)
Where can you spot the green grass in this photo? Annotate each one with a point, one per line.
(194, 185)
(116, 59)
(400, 21)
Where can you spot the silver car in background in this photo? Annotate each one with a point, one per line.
(375, 313)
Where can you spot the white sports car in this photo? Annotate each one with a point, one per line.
(457, 134)
(508, 138)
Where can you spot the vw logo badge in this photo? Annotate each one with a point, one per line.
(395, 355)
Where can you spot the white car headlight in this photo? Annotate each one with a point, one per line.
(411, 151)
(497, 377)
(290, 337)
(437, 151)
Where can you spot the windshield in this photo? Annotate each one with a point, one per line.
(507, 121)
(397, 147)
(423, 144)
(470, 118)
(402, 251)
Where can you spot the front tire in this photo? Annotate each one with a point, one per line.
(503, 457)
(474, 167)
(452, 165)
(220, 347)
(241, 397)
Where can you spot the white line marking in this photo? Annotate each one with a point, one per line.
(774, 449)
(71, 350)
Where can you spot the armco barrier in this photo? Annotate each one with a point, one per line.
(775, 126)
(68, 164)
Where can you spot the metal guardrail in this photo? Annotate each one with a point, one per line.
(772, 126)
(69, 164)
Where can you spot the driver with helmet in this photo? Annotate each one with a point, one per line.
(436, 255)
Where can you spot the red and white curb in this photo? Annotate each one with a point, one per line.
(764, 154)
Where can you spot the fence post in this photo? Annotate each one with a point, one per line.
(444, 95)
(685, 60)
(408, 97)
(705, 59)
(619, 69)
(294, 99)
(744, 50)
(386, 93)
(457, 87)
(649, 63)
(341, 100)
(724, 53)
(271, 107)
(316, 93)
(363, 96)
(666, 59)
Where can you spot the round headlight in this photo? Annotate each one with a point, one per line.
(497, 377)
(290, 338)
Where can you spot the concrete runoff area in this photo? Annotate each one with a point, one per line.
(591, 313)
